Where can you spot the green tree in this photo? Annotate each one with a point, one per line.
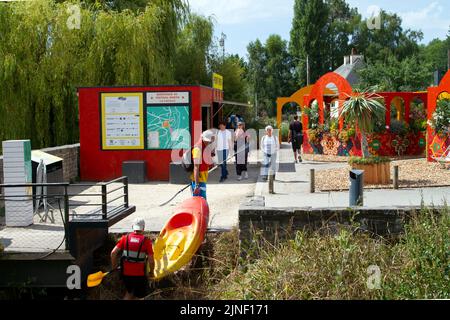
(341, 24)
(309, 38)
(193, 49)
(409, 74)
(390, 39)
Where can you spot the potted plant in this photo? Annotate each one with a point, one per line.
(377, 170)
(364, 109)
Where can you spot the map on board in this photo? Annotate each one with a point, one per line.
(168, 127)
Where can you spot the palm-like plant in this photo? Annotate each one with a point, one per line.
(363, 108)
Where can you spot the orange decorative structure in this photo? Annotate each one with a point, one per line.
(437, 144)
(319, 90)
(298, 98)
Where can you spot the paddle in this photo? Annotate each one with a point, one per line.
(211, 170)
(95, 279)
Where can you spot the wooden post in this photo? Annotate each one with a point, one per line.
(271, 178)
(312, 181)
(395, 177)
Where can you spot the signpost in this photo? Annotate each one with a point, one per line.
(217, 81)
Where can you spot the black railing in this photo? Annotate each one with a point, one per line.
(107, 207)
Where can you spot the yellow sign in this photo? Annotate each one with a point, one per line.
(122, 121)
(217, 81)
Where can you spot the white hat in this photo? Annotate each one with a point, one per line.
(208, 135)
(269, 128)
(138, 224)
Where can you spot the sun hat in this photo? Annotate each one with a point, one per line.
(208, 135)
(138, 224)
(269, 128)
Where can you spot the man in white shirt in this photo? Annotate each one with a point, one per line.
(223, 147)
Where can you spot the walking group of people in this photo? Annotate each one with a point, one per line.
(134, 251)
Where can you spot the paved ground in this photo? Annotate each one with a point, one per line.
(292, 189)
(223, 198)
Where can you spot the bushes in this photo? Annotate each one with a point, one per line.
(327, 266)
(367, 161)
(440, 121)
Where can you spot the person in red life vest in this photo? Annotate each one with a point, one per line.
(134, 251)
(202, 154)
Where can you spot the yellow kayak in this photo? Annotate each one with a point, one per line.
(181, 237)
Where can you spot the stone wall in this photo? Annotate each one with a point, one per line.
(71, 159)
(279, 223)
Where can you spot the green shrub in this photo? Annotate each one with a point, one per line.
(336, 266)
(284, 131)
(367, 161)
(440, 122)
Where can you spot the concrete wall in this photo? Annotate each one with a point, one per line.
(277, 223)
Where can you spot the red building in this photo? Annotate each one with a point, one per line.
(120, 124)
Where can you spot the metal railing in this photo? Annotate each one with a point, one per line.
(110, 194)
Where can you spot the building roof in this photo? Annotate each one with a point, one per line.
(349, 69)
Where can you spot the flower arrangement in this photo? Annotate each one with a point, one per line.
(440, 121)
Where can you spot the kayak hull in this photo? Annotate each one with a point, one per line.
(181, 237)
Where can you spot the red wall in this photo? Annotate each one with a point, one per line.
(99, 165)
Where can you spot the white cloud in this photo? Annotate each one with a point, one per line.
(431, 17)
(232, 12)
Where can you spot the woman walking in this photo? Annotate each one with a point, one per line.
(270, 147)
(241, 149)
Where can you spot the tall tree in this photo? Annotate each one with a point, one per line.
(308, 38)
(341, 24)
(193, 47)
(390, 39)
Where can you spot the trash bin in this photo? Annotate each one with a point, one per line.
(356, 187)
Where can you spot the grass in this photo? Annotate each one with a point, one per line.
(318, 265)
(344, 265)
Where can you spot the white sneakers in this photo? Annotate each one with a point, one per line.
(245, 176)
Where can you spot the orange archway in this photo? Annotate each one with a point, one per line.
(298, 97)
(436, 145)
(320, 89)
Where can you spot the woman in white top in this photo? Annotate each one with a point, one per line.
(270, 147)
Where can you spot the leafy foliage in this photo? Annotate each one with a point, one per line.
(440, 121)
(367, 161)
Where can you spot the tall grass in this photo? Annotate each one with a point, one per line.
(344, 265)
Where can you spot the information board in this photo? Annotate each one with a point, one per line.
(168, 127)
(122, 121)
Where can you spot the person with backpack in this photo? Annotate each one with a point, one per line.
(201, 159)
(296, 137)
(134, 252)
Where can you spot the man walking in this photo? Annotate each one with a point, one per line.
(135, 252)
(224, 145)
(296, 137)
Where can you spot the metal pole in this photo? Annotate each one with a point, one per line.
(307, 70)
(448, 59)
(66, 215)
(104, 203)
(125, 190)
(396, 177)
(312, 181)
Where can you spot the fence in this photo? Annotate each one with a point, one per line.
(80, 203)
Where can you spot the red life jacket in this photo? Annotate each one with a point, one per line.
(134, 257)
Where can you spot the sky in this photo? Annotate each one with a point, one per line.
(243, 21)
